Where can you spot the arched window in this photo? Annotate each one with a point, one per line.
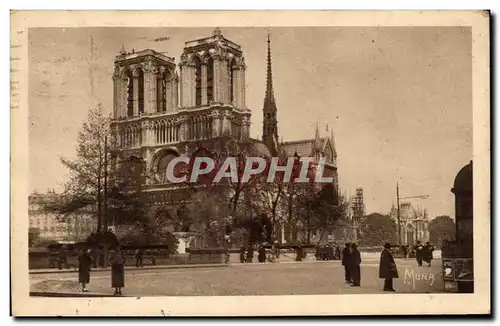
(210, 80)
(232, 85)
(130, 94)
(197, 64)
(162, 166)
(140, 99)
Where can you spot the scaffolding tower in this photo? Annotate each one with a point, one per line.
(358, 211)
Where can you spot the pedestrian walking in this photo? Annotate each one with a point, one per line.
(117, 270)
(242, 254)
(262, 254)
(405, 251)
(139, 256)
(419, 252)
(277, 251)
(250, 254)
(84, 265)
(337, 251)
(355, 269)
(427, 253)
(346, 256)
(300, 253)
(387, 268)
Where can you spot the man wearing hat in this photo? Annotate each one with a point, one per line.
(387, 268)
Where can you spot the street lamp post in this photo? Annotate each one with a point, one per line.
(398, 210)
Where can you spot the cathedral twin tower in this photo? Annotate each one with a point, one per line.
(154, 105)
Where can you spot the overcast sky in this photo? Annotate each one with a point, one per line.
(399, 99)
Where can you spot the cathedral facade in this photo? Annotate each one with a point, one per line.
(163, 110)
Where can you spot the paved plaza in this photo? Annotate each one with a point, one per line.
(285, 278)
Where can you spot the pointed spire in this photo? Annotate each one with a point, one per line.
(269, 89)
(332, 140)
(317, 138)
(270, 123)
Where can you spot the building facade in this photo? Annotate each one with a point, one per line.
(414, 223)
(74, 228)
(163, 110)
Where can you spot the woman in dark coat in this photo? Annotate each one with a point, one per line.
(117, 270)
(84, 264)
(355, 262)
(387, 268)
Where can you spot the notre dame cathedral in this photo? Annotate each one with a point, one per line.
(161, 111)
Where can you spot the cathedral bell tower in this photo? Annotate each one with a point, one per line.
(212, 78)
(270, 125)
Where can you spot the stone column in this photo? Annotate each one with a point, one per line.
(241, 87)
(187, 85)
(122, 111)
(150, 85)
(204, 100)
(136, 93)
(226, 79)
(192, 85)
(175, 91)
(216, 79)
(181, 85)
(235, 86)
(116, 96)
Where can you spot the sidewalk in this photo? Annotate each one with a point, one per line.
(127, 268)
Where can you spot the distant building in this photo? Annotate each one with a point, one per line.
(76, 227)
(414, 223)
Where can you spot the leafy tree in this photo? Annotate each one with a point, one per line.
(441, 228)
(33, 237)
(377, 228)
(86, 186)
(320, 209)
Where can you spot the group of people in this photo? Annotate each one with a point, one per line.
(247, 253)
(117, 261)
(328, 252)
(351, 260)
(423, 253)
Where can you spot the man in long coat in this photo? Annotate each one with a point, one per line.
(387, 268)
(355, 262)
(346, 257)
(84, 264)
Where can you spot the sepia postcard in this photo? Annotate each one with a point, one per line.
(250, 163)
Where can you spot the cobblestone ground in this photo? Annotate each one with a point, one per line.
(251, 279)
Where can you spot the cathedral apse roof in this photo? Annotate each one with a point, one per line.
(302, 147)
